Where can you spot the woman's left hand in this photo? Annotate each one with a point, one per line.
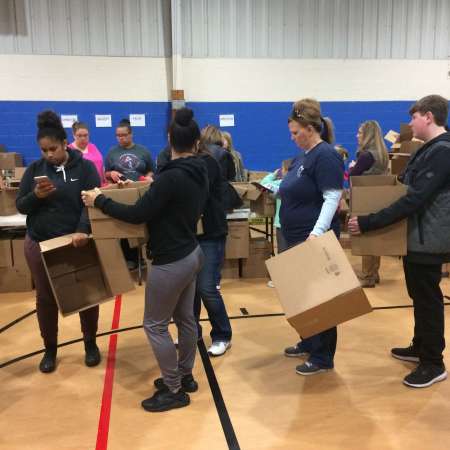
(311, 236)
(89, 197)
(79, 239)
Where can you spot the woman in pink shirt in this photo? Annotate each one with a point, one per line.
(81, 143)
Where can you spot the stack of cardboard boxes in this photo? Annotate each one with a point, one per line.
(403, 146)
(11, 171)
(14, 273)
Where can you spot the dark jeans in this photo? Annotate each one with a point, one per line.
(422, 282)
(130, 254)
(282, 245)
(321, 348)
(221, 256)
(206, 291)
(46, 307)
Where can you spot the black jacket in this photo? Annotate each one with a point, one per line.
(171, 208)
(214, 219)
(63, 211)
(426, 204)
(163, 159)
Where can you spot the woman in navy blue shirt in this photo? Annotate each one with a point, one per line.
(310, 195)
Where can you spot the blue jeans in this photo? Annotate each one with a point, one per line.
(321, 348)
(206, 291)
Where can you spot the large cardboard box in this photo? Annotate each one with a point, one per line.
(317, 286)
(9, 161)
(237, 244)
(15, 275)
(399, 161)
(369, 194)
(230, 269)
(8, 201)
(84, 277)
(261, 203)
(255, 265)
(105, 227)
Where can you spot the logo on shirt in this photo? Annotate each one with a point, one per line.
(129, 161)
(300, 171)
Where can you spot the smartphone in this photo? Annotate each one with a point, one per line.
(260, 186)
(41, 179)
(122, 178)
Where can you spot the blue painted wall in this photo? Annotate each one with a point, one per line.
(260, 132)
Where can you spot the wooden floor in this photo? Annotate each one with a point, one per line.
(360, 405)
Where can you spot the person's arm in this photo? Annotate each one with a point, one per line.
(27, 201)
(331, 199)
(364, 162)
(149, 206)
(91, 180)
(270, 181)
(231, 168)
(430, 178)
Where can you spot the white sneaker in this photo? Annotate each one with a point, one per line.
(270, 284)
(219, 348)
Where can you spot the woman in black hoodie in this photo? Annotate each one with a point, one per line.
(54, 208)
(171, 208)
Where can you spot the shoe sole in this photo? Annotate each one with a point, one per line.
(167, 408)
(312, 373)
(297, 355)
(215, 355)
(440, 377)
(406, 358)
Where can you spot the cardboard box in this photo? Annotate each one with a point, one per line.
(10, 160)
(254, 175)
(369, 194)
(255, 265)
(8, 201)
(84, 277)
(230, 269)
(18, 173)
(399, 161)
(15, 275)
(237, 244)
(261, 203)
(317, 286)
(105, 227)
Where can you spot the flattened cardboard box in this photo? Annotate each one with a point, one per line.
(105, 227)
(84, 277)
(370, 194)
(10, 160)
(317, 286)
(8, 201)
(238, 238)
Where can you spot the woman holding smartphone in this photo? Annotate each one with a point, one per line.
(50, 196)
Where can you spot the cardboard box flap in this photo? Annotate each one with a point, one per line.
(58, 242)
(370, 199)
(241, 188)
(326, 274)
(253, 193)
(117, 275)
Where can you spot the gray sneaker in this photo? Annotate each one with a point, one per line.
(309, 368)
(294, 352)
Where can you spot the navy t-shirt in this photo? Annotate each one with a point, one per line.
(301, 191)
(132, 162)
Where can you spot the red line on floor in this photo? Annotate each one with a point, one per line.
(105, 411)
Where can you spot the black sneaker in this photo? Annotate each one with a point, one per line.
(166, 400)
(48, 362)
(92, 357)
(425, 375)
(309, 368)
(188, 384)
(295, 351)
(406, 353)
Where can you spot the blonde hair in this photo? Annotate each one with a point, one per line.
(342, 151)
(308, 112)
(212, 135)
(372, 139)
(229, 139)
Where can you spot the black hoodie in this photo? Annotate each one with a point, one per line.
(63, 211)
(171, 208)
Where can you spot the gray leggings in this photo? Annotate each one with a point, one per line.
(170, 293)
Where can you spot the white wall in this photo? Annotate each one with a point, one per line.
(146, 79)
(324, 79)
(32, 77)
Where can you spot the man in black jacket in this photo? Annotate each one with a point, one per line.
(426, 205)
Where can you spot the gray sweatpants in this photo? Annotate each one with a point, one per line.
(170, 293)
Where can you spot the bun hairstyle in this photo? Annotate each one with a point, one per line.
(308, 112)
(125, 123)
(49, 125)
(183, 131)
(79, 126)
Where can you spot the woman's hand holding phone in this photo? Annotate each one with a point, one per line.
(44, 187)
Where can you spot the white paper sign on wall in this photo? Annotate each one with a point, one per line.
(68, 120)
(103, 120)
(226, 120)
(137, 120)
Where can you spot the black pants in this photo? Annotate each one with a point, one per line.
(422, 282)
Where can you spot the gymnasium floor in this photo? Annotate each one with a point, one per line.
(250, 399)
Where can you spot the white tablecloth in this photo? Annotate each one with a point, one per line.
(16, 220)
